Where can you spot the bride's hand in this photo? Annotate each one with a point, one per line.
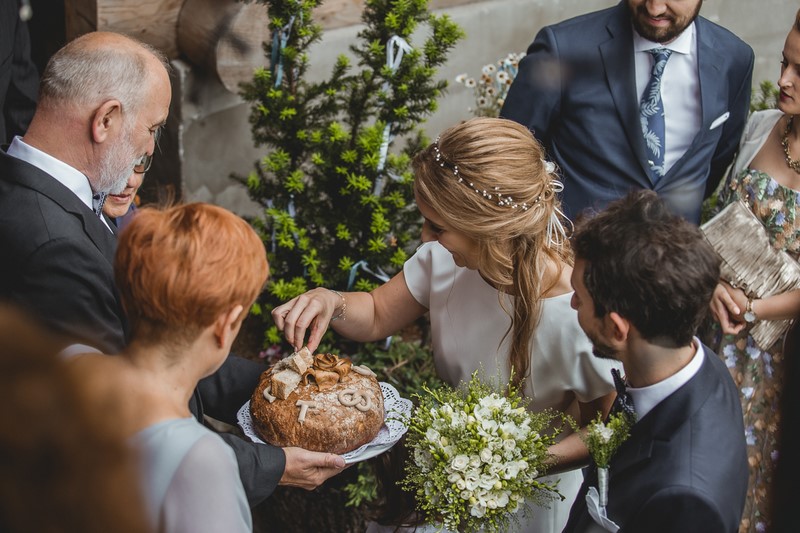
(311, 310)
(725, 309)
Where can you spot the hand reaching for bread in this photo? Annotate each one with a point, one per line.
(312, 311)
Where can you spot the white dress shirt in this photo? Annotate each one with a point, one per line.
(680, 90)
(66, 175)
(646, 398)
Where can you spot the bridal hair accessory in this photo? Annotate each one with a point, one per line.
(505, 201)
(556, 233)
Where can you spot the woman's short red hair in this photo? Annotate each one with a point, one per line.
(177, 269)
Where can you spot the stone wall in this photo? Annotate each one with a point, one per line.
(210, 136)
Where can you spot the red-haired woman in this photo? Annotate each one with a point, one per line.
(184, 316)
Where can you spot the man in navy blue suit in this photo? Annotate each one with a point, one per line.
(580, 91)
(643, 278)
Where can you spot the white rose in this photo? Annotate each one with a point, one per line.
(502, 498)
(459, 462)
(465, 495)
(471, 480)
(487, 482)
(491, 503)
(432, 435)
(604, 433)
(474, 461)
(486, 455)
(452, 478)
(509, 444)
(461, 484)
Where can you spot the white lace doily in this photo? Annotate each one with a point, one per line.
(395, 407)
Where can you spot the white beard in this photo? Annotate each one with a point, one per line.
(116, 165)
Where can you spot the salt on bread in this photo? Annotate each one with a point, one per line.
(321, 403)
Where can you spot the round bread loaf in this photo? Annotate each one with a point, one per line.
(347, 414)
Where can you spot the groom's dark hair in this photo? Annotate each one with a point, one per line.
(649, 265)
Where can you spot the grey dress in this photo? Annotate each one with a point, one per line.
(190, 479)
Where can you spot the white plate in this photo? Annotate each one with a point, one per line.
(396, 410)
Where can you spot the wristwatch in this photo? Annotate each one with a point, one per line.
(749, 315)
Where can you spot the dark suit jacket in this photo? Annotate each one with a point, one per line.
(57, 262)
(19, 81)
(576, 90)
(684, 467)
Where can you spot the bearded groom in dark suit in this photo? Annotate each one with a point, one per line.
(582, 90)
(643, 279)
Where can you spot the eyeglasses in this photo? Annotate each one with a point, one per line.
(144, 164)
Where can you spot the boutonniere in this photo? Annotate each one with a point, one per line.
(603, 440)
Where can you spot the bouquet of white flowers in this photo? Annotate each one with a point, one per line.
(491, 87)
(475, 456)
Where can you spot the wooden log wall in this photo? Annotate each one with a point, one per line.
(222, 36)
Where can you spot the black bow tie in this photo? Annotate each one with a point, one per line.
(98, 199)
(624, 401)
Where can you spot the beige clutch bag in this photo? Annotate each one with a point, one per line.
(751, 263)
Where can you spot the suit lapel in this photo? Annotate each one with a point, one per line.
(618, 63)
(663, 421)
(34, 178)
(709, 59)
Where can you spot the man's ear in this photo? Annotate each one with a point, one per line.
(619, 327)
(107, 121)
(227, 324)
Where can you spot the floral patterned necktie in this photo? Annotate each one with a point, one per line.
(651, 113)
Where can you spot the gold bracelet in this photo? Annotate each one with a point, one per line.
(341, 314)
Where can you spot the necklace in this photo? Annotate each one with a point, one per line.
(793, 164)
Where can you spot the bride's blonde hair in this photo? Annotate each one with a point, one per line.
(487, 178)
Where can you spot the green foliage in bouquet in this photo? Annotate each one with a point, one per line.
(476, 456)
(334, 204)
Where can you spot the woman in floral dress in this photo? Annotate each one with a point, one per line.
(767, 178)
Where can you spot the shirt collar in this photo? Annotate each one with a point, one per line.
(682, 44)
(646, 398)
(68, 176)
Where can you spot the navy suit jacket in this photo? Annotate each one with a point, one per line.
(576, 90)
(57, 263)
(684, 467)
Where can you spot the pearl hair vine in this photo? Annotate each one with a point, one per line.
(556, 233)
(505, 201)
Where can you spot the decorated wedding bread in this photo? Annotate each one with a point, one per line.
(318, 402)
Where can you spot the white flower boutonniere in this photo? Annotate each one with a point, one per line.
(603, 440)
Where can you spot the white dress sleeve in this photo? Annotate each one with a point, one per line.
(206, 493)
(417, 271)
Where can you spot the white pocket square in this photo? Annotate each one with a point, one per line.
(598, 513)
(720, 120)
